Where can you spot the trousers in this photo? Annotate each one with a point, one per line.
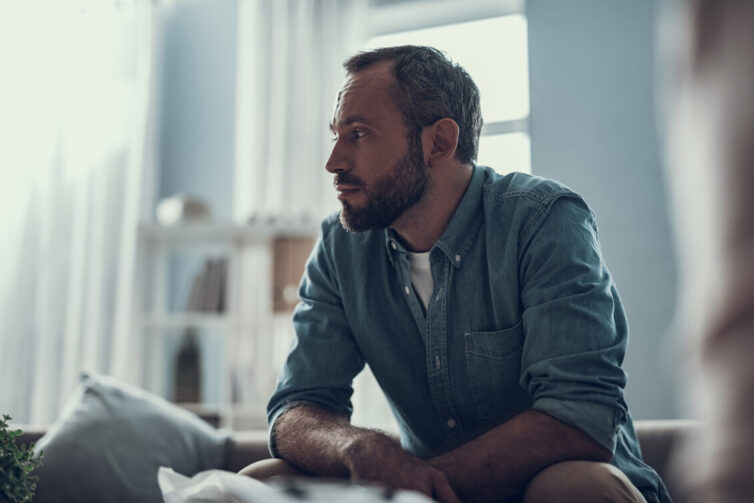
(565, 482)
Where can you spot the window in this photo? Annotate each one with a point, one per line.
(494, 52)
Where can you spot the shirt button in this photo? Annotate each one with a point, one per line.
(437, 362)
(407, 290)
(451, 423)
(393, 245)
(458, 258)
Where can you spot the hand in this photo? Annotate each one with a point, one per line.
(377, 458)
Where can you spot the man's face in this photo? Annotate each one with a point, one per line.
(379, 172)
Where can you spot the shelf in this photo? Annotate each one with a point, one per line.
(254, 255)
(183, 321)
(223, 233)
(187, 320)
(237, 416)
(237, 408)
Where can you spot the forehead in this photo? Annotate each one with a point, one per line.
(367, 96)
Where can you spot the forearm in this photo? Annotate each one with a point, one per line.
(319, 441)
(502, 461)
(324, 443)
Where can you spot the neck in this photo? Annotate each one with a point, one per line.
(420, 226)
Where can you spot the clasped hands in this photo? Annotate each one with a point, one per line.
(378, 458)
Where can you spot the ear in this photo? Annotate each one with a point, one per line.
(439, 141)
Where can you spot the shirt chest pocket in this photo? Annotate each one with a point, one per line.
(493, 365)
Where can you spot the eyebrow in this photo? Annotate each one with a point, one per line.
(348, 121)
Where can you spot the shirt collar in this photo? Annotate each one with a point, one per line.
(460, 233)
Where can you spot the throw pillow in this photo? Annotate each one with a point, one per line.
(111, 439)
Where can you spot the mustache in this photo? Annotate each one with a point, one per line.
(347, 179)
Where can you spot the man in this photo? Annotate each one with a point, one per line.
(480, 302)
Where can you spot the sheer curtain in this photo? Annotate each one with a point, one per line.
(290, 55)
(75, 177)
(289, 69)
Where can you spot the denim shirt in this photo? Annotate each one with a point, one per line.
(524, 315)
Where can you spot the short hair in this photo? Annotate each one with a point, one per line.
(429, 87)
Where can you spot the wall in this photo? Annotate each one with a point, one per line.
(593, 128)
(198, 99)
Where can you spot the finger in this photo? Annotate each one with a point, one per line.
(423, 485)
(443, 492)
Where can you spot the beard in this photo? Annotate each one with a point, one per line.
(388, 197)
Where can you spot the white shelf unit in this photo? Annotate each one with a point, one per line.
(232, 241)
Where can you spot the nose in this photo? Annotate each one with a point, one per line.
(337, 161)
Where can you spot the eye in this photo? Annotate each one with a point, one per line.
(359, 133)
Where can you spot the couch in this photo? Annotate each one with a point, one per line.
(658, 439)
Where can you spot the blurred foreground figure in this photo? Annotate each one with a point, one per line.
(711, 148)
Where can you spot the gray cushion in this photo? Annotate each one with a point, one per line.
(111, 439)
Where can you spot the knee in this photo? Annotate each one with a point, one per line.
(581, 481)
(268, 468)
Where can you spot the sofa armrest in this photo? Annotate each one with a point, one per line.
(660, 440)
(31, 433)
(245, 448)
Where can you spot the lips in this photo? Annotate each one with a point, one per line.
(345, 190)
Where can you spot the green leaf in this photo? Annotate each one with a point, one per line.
(17, 484)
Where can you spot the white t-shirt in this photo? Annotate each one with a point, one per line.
(421, 276)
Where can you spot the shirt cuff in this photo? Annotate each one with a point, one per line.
(600, 422)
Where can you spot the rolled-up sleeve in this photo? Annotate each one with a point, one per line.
(575, 327)
(323, 358)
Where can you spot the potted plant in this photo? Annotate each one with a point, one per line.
(17, 484)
